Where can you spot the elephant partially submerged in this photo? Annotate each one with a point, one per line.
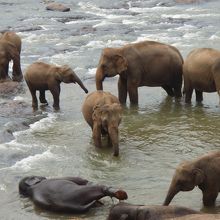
(41, 76)
(10, 49)
(125, 211)
(201, 71)
(102, 111)
(145, 63)
(203, 172)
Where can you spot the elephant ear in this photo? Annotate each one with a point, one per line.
(199, 176)
(96, 113)
(33, 180)
(117, 107)
(121, 63)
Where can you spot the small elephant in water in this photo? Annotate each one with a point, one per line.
(201, 71)
(203, 172)
(124, 211)
(102, 111)
(41, 76)
(66, 194)
(146, 63)
(10, 49)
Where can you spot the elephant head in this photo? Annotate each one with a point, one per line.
(186, 177)
(106, 119)
(67, 75)
(111, 63)
(27, 182)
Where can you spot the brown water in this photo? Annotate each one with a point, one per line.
(154, 137)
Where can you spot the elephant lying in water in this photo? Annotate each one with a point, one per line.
(41, 76)
(67, 194)
(201, 71)
(203, 172)
(124, 211)
(146, 63)
(10, 49)
(102, 111)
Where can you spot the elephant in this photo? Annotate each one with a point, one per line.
(203, 172)
(10, 49)
(102, 111)
(201, 71)
(125, 211)
(66, 194)
(42, 76)
(146, 63)
(199, 217)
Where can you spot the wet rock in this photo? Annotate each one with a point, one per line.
(9, 89)
(57, 7)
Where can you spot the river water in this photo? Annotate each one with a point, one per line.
(154, 137)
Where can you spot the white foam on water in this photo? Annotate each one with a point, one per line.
(91, 71)
(3, 187)
(44, 124)
(18, 98)
(214, 37)
(26, 163)
(109, 43)
(102, 23)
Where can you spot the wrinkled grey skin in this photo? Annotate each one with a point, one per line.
(41, 76)
(66, 194)
(124, 211)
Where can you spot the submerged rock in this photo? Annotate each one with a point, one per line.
(57, 7)
(10, 88)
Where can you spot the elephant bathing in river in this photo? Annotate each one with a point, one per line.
(145, 63)
(201, 71)
(124, 211)
(203, 172)
(41, 76)
(102, 111)
(10, 49)
(67, 194)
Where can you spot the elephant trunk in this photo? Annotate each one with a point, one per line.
(113, 133)
(171, 193)
(77, 79)
(99, 78)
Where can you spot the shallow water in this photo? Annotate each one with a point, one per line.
(154, 137)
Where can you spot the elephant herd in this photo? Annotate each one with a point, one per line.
(146, 63)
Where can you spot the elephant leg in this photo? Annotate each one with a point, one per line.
(55, 90)
(209, 198)
(188, 95)
(169, 90)
(177, 91)
(133, 94)
(96, 133)
(42, 97)
(34, 99)
(122, 90)
(199, 96)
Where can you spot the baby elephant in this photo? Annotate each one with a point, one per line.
(203, 172)
(125, 211)
(41, 76)
(102, 111)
